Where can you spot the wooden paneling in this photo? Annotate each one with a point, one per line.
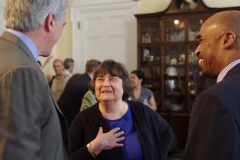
(180, 123)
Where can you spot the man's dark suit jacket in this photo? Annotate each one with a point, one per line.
(214, 131)
(71, 98)
(31, 124)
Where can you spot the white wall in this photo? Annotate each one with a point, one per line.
(152, 6)
(222, 3)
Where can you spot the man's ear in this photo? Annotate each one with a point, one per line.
(49, 22)
(229, 39)
(93, 71)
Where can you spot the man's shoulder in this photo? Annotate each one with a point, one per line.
(79, 75)
(78, 78)
(18, 62)
(75, 77)
(7, 36)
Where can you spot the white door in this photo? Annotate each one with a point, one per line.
(105, 33)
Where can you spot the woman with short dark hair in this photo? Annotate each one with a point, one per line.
(116, 128)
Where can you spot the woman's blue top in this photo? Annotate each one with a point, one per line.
(131, 146)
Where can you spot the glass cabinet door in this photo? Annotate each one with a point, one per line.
(166, 56)
(174, 75)
(149, 60)
(194, 28)
(174, 30)
(149, 33)
(149, 64)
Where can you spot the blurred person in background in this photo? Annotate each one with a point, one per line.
(89, 99)
(141, 93)
(69, 66)
(71, 98)
(59, 81)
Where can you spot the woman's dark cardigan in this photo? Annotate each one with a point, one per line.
(154, 133)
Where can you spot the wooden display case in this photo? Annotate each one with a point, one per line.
(166, 44)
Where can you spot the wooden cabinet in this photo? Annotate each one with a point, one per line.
(166, 44)
(180, 122)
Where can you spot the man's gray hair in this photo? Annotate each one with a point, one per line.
(68, 62)
(28, 15)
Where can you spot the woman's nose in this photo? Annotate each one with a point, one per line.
(106, 83)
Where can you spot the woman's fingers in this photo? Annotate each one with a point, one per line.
(112, 138)
(118, 145)
(120, 139)
(119, 134)
(100, 130)
(115, 130)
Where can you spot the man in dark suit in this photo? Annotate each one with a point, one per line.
(71, 98)
(31, 124)
(214, 130)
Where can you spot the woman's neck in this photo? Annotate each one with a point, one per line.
(137, 91)
(137, 88)
(113, 110)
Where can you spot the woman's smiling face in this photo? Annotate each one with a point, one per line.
(135, 81)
